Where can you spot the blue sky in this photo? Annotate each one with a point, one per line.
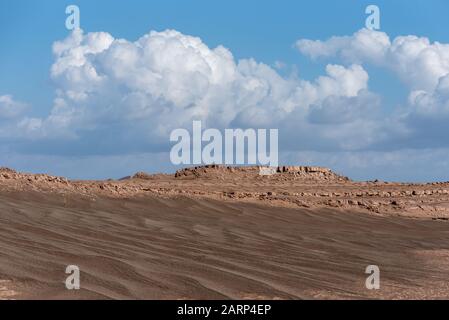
(265, 31)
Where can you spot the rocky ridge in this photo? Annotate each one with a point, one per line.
(310, 187)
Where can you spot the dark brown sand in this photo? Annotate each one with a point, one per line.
(149, 247)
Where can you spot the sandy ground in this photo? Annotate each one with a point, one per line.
(142, 238)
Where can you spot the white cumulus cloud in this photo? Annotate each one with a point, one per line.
(122, 91)
(11, 108)
(421, 64)
(416, 60)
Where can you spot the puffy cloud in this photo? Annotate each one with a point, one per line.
(434, 103)
(427, 116)
(361, 46)
(133, 94)
(416, 60)
(424, 66)
(10, 108)
(344, 109)
(11, 112)
(274, 99)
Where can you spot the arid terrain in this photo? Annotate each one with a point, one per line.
(223, 232)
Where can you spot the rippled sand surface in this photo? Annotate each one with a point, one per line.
(182, 248)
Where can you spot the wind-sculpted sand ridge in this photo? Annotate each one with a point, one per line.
(156, 248)
(218, 233)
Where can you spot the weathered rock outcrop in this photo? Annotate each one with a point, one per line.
(293, 186)
(282, 173)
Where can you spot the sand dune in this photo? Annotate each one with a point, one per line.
(154, 246)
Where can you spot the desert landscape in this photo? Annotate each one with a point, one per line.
(217, 232)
